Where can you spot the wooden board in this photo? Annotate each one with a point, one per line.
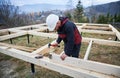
(5, 37)
(44, 49)
(100, 25)
(102, 41)
(50, 35)
(24, 48)
(97, 31)
(89, 65)
(116, 31)
(55, 66)
(97, 28)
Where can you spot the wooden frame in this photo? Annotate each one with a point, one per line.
(70, 66)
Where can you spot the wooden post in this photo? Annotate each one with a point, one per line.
(32, 68)
(116, 38)
(10, 38)
(32, 29)
(28, 38)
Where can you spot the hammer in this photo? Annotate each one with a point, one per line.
(52, 45)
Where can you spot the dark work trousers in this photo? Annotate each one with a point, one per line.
(75, 51)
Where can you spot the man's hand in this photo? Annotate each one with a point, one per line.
(54, 44)
(63, 56)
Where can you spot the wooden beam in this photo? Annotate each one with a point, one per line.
(80, 23)
(28, 26)
(88, 50)
(102, 41)
(116, 31)
(3, 33)
(43, 50)
(28, 49)
(45, 62)
(97, 31)
(15, 30)
(89, 65)
(55, 66)
(50, 35)
(40, 29)
(101, 25)
(3, 30)
(12, 35)
(97, 28)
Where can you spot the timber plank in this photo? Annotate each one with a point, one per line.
(28, 49)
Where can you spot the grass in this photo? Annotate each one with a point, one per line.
(99, 36)
(35, 41)
(3, 57)
(83, 50)
(105, 54)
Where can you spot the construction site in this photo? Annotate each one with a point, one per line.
(27, 47)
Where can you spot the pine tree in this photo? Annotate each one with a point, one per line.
(79, 12)
(108, 18)
(118, 18)
(101, 19)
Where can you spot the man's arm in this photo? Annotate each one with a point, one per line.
(58, 40)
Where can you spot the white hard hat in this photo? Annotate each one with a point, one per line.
(51, 21)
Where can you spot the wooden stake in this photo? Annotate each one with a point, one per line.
(28, 38)
(10, 38)
(32, 68)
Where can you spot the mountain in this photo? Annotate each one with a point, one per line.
(41, 7)
(111, 8)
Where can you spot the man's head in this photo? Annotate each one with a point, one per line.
(53, 22)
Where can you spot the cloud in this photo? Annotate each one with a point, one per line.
(85, 3)
(23, 2)
(104, 1)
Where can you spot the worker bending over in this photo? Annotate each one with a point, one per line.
(68, 32)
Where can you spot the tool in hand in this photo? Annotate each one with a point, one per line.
(52, 45)
(50, 55)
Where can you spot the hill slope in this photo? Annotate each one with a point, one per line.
(112, 8)
(41, 7)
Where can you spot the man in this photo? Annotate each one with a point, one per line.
(68, 32)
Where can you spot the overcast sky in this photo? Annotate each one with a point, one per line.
(85, 3)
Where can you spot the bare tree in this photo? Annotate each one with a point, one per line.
(8, 12)
(10, 15)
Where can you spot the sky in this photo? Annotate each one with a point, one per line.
(85, 3)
